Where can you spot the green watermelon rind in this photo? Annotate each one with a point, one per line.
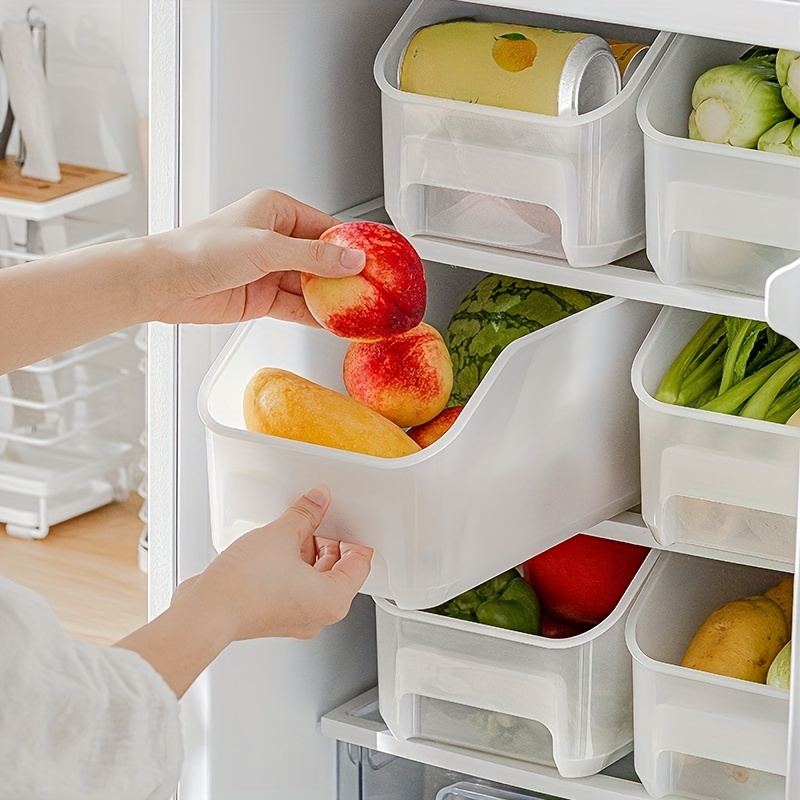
(496, 312)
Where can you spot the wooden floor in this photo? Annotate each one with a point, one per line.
(87, 569)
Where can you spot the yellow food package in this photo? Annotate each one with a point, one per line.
(280, 403)
(739, 640)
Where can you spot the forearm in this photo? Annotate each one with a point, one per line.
(180, 643)
(59, 302)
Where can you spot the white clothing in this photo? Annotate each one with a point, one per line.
(78, 720)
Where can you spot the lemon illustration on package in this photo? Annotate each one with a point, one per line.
(493, 314)
(514, 52)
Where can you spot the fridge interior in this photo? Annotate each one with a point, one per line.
(316, 133)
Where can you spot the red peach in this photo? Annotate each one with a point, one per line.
(433, 430)
(386, 298)
(407, 378)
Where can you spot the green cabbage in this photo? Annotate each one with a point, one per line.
(787, 69)
(782, 138)
(736, 103)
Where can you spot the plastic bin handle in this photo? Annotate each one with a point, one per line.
(757, 744)
(472, 168)
(706, 474)
(744, 216)
(476, 683)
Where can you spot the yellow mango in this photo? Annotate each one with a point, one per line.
(739, 640)
(281, 403)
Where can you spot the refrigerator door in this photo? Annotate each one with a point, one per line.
(246, 95)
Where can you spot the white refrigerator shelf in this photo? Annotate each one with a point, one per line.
(770, 23)
(631, 277)
(359, 722)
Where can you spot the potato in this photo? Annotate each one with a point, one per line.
(782, 593)
(739, 640)
(280, 403)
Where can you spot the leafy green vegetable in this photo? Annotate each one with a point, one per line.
(736, 103)
(736, 366)
(783, 138)
(741, 335)
(787, 68)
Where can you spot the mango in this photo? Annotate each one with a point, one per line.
(280, 403)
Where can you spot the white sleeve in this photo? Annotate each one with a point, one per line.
(78, 720)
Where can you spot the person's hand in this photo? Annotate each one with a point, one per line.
(244, 261)
(281, 579)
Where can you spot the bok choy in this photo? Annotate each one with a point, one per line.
(782, 138)
(736, 103)
(736, 366)
(787, 68)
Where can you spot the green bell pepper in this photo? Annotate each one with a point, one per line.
(505, 601)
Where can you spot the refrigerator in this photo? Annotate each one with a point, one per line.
(249, 94)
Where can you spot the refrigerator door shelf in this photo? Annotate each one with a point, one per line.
(546, 446)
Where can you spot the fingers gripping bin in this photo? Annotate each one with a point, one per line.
(697, 734)
(716, 480)
(546, 446)
(718, 216)
(561, 702)
(558, 186)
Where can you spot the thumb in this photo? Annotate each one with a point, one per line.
(280, 252)
(305, 514)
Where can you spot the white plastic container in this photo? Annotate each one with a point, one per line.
(547, 445)
(464, 790)
(561, 702)
(696, 734)
(558, 186)
(716, 480)
(718, 216)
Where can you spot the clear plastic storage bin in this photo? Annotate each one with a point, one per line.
(547, 446)
(560, 702)
(718, 216)
(466, 790)
(568, 187)
(696, 734)
(716, 480)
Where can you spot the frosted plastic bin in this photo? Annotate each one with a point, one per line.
(560, 702)
(696, 734)
(710, 479)
(546, 446)
(718, 216)
(569, 187)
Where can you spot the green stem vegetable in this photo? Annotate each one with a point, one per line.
(742, 335)
(740, 393)
(670, 386)
(705, 376)
(758, 405)
(783, 138)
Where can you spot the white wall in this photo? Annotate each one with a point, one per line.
(97, 69)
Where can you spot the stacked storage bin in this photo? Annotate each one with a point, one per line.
(62, 449)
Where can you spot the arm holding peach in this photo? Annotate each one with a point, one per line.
(242, 262)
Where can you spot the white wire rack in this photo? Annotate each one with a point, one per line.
(62, 452)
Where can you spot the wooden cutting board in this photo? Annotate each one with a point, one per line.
(74, 178)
